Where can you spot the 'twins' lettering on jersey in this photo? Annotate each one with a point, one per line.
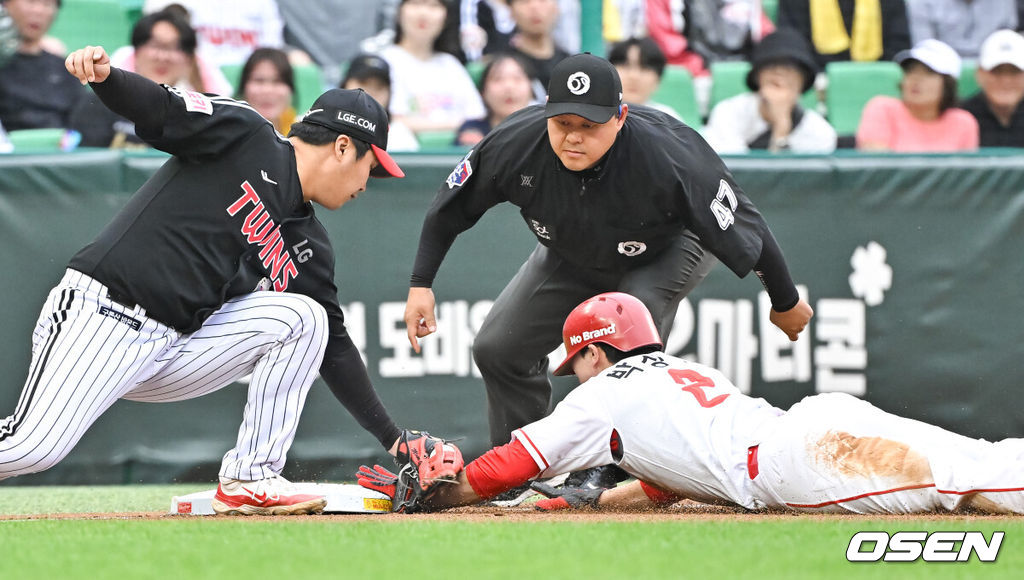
(261, 229)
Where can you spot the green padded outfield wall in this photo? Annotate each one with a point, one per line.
(912, 264)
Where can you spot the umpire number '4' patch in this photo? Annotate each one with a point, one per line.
(724, 204)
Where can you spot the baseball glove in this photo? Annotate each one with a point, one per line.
(434, 459)
(565, 497)
(424, 463)
(407, 496)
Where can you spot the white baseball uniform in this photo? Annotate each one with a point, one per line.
(685, 428)
(88, 352)
(171, 300)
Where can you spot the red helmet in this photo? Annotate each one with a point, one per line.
(613, 318)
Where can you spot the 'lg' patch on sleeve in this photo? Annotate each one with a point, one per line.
(197, 102)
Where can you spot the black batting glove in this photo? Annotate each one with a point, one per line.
(565, 497)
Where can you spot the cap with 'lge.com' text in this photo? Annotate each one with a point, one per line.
(360, 116)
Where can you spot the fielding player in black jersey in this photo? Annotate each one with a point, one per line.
(621, 199)
(216, 268)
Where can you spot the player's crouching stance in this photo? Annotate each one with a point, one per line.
(217, 268)
(686, 432)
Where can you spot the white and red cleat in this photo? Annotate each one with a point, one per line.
(274, 496)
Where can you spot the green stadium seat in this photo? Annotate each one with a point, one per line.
(676, 91)
(729, 78)
(37, 140)
(92, 22)
(309, 83)
(132, 9)
(771, 9)
(232, 72)
(436, 140)
(476, 71)
(852, 84)
(967, 86)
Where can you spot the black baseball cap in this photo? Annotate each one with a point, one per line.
(584, 85)
(360, 116)
(783, 46)
(365, 66)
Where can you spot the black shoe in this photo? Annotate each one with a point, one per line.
(604, 476)
(512, 497)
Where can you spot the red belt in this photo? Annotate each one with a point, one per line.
(752, 462)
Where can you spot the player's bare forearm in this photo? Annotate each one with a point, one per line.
(630, 495)
(449, 495)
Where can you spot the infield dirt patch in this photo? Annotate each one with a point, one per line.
(682, 511)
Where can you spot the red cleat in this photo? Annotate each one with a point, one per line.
(274, 496)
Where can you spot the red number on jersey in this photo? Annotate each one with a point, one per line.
(693, 382)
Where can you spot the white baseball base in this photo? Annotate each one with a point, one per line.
(342, 498)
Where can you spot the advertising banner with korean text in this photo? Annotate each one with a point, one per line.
(910, 263)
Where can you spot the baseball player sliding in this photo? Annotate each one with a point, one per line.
(216, 268)
(685, 431)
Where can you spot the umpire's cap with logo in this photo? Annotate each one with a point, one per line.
(584, 85)
(360, 116)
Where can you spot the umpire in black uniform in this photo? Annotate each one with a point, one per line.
(620, 199)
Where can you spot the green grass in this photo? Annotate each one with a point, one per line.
(91, 499)
(422, 548)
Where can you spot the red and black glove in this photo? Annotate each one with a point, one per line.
(560, 498)
(403, 488)
(377, 479)
(435, 459)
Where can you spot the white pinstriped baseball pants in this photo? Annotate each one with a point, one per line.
(88, 352)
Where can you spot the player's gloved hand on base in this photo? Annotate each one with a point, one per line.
(403, 488)
(561, 498)
(435, 459)
(377, 479)
(424, 463)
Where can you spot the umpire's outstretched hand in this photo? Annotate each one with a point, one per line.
(793, 321)
(419, 315)
(89, 65)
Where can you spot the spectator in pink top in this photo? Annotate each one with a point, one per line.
(924, 119)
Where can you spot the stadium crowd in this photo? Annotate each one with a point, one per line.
(800, 76)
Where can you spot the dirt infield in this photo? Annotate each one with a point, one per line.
(684, 511)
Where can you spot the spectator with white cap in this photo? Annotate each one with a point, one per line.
(999, 106)
(924, 118)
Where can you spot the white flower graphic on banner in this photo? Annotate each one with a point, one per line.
(871, 276)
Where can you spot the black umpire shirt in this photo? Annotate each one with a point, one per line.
(659, 178)
(223, 217)
(992, 132)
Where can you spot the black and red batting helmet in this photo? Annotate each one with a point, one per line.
(614, 318)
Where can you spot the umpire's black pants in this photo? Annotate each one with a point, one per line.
(525, 323)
